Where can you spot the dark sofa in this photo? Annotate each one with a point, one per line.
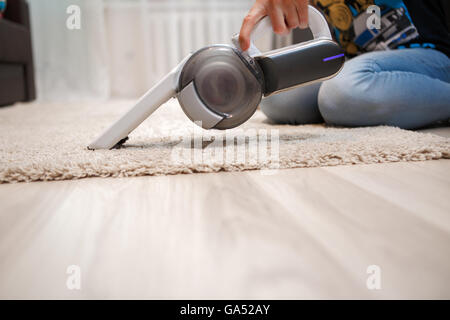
(16, 58)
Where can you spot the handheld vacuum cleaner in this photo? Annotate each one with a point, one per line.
(220, 86)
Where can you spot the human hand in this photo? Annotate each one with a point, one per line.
(284, 16)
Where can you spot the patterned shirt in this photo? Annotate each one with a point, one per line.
(349, 21)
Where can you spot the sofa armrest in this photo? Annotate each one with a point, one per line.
(16, 44)
(18, 12)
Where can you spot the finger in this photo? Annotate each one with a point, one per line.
(291, 16)
(247, 27)
(302, 10)
(277, 19)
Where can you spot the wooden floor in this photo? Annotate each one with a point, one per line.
(299, 233)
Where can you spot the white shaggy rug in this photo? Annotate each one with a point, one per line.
(48, 142)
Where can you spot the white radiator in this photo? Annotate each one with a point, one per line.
(146, 38)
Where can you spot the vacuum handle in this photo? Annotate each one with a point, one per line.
(316, 22)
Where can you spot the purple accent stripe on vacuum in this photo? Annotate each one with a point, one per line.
(333, 57)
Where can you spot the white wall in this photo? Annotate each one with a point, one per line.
(123, 46)
(69, 65)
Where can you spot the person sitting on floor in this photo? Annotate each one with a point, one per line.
(398, 75)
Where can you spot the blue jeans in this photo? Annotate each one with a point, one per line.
(407, 88)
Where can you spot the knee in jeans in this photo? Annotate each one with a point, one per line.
(296, 106)
(274, 110)
(343, 101)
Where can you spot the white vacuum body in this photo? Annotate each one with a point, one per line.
(220, 86)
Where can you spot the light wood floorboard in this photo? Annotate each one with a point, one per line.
(301, 233)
